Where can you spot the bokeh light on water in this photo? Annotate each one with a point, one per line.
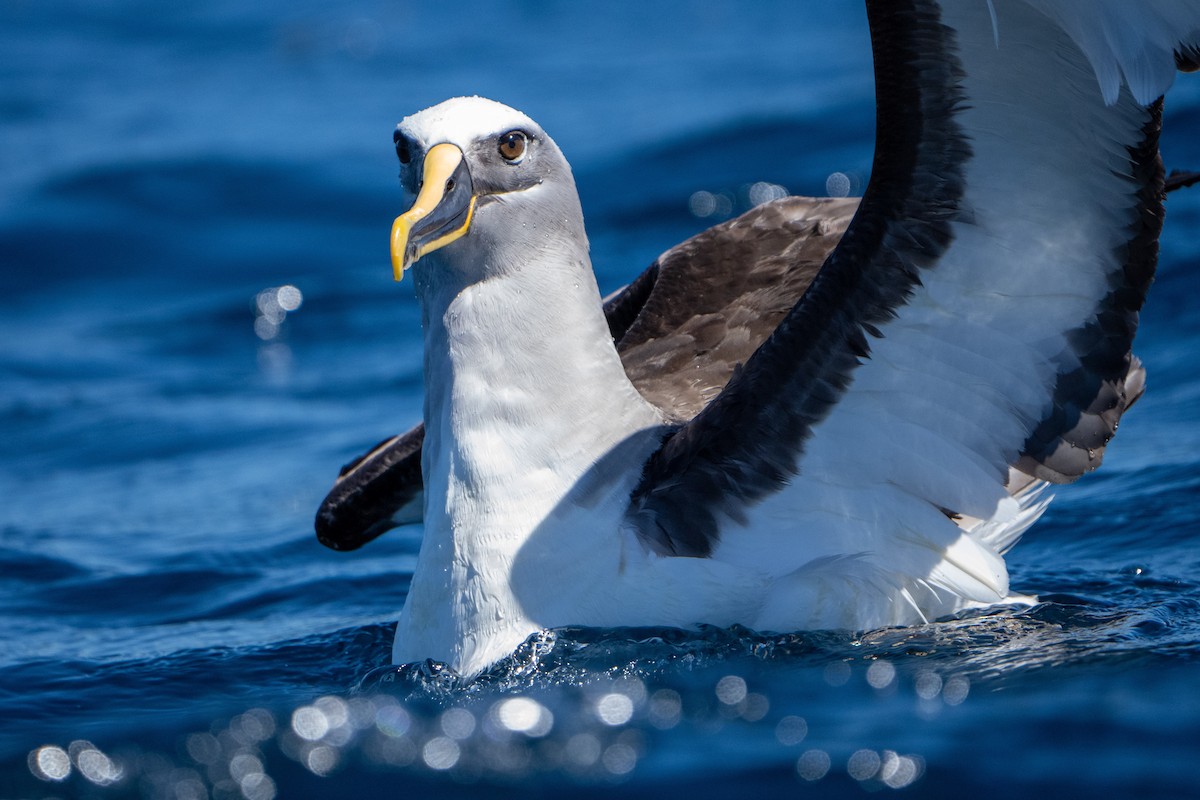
(143, 467)
(523, 715)
(813, 765)
(724, 203)
(881, 674)
(271, 308)
(54, 764)
(837, 184)
(614, 708)
(791, 730)
(50, 763)
(581, 727)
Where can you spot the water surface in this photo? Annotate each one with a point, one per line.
(171, 626)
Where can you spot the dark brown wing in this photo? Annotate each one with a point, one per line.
(721, 293)
(682, 327)
(978, 313)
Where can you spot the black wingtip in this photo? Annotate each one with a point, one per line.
(1187, 59)
(345, 535)
(370, 491)
(1180, 179)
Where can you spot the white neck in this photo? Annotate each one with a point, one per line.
(525, 396)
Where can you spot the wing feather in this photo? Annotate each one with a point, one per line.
(682, 326)
(1020, 410)
(979, 312)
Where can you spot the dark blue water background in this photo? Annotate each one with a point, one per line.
(170, 626)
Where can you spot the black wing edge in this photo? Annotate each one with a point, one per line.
(1187, 58)
(1090, 399)
(371, 492)
(1180, 179)
(748, 441)
(383, 488)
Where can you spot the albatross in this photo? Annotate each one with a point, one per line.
(825, 414)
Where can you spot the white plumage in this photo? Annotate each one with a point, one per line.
(556, 494)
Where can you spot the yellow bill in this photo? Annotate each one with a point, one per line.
(441, 213)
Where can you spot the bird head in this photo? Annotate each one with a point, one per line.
(479, 172)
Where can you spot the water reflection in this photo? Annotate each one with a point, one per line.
(614, 708)
(50, 763)
(791, 730)
(582, 705)
(271, 307)
(666, 707)
(523, 715)
(837, 185)
(881, 674)
(813, 765)
(723, 204)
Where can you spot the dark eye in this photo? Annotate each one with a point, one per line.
(402, 151)
(512, 146)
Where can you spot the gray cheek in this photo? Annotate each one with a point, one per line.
(495, 176)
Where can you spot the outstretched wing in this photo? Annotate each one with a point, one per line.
(979, 312)
(681, 327)
(377, 491)
(720, 294)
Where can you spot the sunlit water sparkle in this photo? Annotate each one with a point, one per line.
(199, 325)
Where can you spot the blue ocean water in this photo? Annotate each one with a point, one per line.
(170, 417)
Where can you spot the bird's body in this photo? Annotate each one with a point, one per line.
(496, 467)
(535, 439)
(889, 433)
